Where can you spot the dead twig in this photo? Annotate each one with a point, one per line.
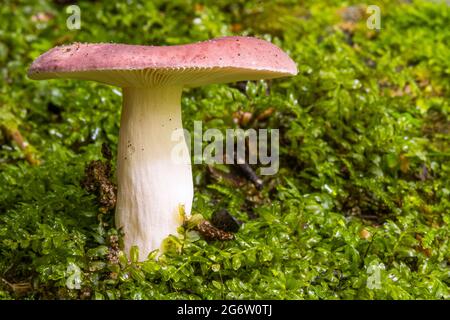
(12, 133)
(18, 288)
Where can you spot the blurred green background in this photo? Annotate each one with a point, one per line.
(360, 208)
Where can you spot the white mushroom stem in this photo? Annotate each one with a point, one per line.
(151, 184)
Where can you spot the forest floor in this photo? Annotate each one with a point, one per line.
(360, 206)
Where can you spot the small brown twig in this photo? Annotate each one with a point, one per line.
(13, 134)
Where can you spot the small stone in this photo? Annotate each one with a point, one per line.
(223, 220)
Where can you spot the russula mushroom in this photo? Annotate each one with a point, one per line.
(151, 185)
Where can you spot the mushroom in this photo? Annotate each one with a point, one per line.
(151, 185)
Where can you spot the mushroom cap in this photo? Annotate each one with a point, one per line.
(219, 60)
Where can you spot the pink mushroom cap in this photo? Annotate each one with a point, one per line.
(220, 60)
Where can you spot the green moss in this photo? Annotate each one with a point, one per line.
(359, 209)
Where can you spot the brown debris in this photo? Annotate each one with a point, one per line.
(348, 27)
(42, 17)
(114, 249)
(209, 232)
(242, 118)
(350, 17)
(198, 8)
(352, 13)
(20, 288)
(400, 92)
(236, 27)
(246, 118)
(426, 251)
(97, 180)
(265, 114)
(106, 152)
(85, 293)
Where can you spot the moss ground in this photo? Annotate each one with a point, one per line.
(360, 208)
